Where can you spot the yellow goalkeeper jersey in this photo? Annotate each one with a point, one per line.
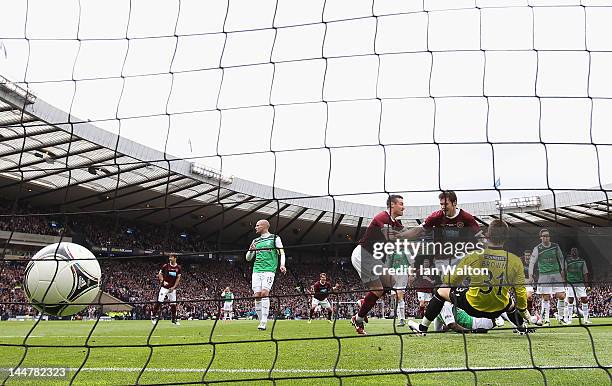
(488, 290)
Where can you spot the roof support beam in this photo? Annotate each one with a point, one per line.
(605, 218)
(40, 146)
(50, 130)
(554, 220)
(223, 210)
(301, 212)
(315, 222)
(335, 228)
(217, 202)
(39, 161)
(182, 200)
(572, 218)
(268, 218)
(161, 195)
(72, 184)
(124, 187)
(511, 225)
(250, 212)
(21, 120)
(358, 230)
(56, 172)
(524, 219)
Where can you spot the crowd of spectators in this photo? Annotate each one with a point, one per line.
(99, 230)
(135, 282)
(104, 231)
(14, 220)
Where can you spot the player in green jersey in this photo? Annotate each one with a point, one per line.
(228, 304)
(454, 318)
(551, 277)
(577, 276)
(400, 263)
(266, 249)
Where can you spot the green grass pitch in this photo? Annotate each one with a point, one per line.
(177, 357)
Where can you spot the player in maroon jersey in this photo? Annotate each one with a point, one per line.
(320, 291)
(169, 277)
(384, 226)
(451, 222)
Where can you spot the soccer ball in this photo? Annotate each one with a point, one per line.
(62, 279)
(536, 319)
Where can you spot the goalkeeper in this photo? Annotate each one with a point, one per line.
(490, 274)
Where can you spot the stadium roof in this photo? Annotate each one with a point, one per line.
(48, 156)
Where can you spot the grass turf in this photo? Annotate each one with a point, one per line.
(181, 354)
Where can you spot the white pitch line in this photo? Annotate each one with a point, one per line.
(295, 371)
(216, 336)
(122, 336)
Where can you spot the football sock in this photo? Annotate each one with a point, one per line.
(545, 310)
(173, 309)
(515, 317)
(505, 317)
(432, 311)
(265, 309)
(570, 312)
(561, 309)
(401, 310)
(156, 309)
(368, 302)
(585, 311)
(258, 308)
(311, 315)
(329, 314)
(421, 311)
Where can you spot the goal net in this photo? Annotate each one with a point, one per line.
(146, 128)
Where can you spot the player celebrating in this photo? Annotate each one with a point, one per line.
(228, 304)
(266, 250)
(550, 262)
(577, 277)
(449, 224)
(320, 291)
(169, 277)
(488, 294)
(364, 262)
(452, 223)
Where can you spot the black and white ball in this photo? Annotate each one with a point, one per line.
(62, 279)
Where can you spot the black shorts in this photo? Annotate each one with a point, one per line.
(457, 297)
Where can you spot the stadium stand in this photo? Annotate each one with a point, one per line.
(205, 277)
